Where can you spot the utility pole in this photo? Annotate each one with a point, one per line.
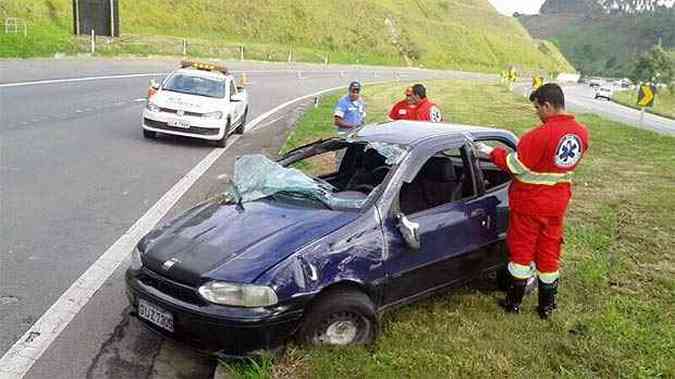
(77, 17)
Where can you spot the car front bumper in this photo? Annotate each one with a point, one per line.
(220, 330)
(202, 128)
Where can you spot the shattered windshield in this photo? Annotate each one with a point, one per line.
(360, 168)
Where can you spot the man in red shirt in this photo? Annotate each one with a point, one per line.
(542, 168)
(426, 110)
(404, 109)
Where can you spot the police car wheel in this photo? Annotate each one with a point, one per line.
(149, 134)
(223, 141)
(242, 125)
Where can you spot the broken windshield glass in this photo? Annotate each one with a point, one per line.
(257, 177)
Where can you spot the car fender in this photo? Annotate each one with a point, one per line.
(353, 254)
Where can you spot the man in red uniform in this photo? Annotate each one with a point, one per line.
(426, 110)
(404, 109)
(542, 167)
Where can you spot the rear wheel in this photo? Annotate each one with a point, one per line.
(340, 317)
(149, 134)
(223, 141)
(242, 125)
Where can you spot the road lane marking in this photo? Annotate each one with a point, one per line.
(127, 76)
(19, 359)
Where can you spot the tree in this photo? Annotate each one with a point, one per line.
(654, 66)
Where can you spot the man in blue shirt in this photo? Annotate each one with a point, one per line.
(350, 111)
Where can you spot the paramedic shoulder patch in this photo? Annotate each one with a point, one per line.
(569, 151)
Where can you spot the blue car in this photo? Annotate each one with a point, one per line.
(316, 245)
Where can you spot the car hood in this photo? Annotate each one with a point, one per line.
(234, 243)
(190, 103)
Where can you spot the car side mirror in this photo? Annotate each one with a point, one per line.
(409, 230)
(236, 98)
(154, 85)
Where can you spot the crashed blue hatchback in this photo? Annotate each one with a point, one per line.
(315, 246)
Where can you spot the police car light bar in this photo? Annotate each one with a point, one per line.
(203, 66)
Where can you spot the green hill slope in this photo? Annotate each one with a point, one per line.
(604, 44)
(458, 34)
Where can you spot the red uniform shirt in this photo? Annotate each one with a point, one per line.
(542, 166)
(428, 111)
(403, 110)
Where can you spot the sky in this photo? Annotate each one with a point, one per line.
(507, 7)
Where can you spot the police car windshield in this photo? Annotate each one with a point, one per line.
(195, 85)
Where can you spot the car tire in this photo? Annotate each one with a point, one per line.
(340, 317)
(242, 125)
(149, 134)
(223, 141)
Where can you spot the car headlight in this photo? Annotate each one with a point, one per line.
(152, 107)
(216, 115)
(238, 295)
(136, 262)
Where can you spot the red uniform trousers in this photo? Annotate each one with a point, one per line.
(535, 239)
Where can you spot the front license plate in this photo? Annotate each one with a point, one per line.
(155, 315)
(177, 123)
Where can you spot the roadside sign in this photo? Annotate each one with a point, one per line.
(513, 76)
(537, 81)
(646, 95)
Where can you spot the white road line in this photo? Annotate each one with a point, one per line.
(105, 77)
(139, 100)
(72, 80)
(18, 360)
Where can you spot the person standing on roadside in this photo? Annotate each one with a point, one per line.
(350, 110)
(426, 110)
(542, 168)
(405, 109)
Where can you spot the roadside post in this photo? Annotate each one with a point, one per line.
(93, 42)
(646, 96)
(241, 52)
(184, 46)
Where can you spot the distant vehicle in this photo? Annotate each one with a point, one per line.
(594, 83)
(604, 92)
(625, 83)
(318, 253)
(197, 100)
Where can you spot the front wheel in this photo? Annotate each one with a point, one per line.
(242, 125)
(149, 134)
(223, 141)
(340, 317)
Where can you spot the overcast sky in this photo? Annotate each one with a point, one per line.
(507, 7)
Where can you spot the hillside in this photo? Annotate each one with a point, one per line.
(599, 43)
(456, 34)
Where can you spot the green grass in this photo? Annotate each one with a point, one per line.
(618, 289)
(457, 34)
(664, 104)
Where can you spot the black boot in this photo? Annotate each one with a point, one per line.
(514, 295)
(547, 292)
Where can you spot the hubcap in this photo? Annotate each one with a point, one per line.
(340, 333)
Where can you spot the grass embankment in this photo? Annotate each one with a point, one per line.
(664, 104)
(618, 286)
(455, 34)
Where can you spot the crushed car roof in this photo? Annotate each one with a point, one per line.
(413, 132)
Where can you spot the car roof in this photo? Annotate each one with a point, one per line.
(411, 133)
(215, 75)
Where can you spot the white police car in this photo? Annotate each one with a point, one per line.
(197, 100)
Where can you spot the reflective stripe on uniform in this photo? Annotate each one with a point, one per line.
(519, 271)
(525, 175)
(548, 277)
